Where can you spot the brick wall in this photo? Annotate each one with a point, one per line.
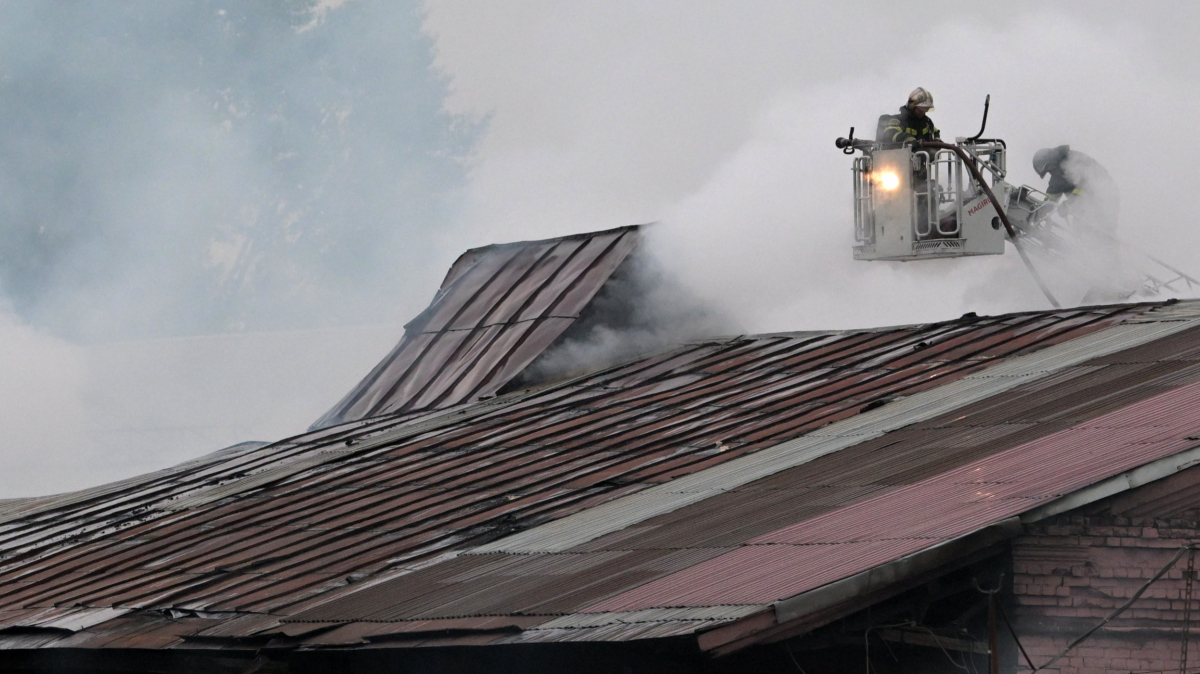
(1071, 571)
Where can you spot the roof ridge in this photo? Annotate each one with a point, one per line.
(556, 239)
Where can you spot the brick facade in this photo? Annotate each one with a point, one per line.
(1071, 571)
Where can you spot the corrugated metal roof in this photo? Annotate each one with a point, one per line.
(885, 499)
(909, 518)
(365, 522)
(619, 514)
(499, 307)
(718, 613)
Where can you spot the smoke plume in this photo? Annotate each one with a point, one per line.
(206, 201)
(641, 309)
(214, 217)
(722, 126)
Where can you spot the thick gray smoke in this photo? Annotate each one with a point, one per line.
(182, 168)
(1074, 243)
(199, 166)
(259, 188)
(718, 120)
(641, 309)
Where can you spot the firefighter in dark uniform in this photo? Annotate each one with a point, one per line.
(911, 123)
(1087, 199)
(1082, 187)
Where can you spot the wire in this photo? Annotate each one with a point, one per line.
(788, 649)
(867, 641)
(889, 650)
(969, 660)
(1136, 595)
(943, 649)
(1013, 632)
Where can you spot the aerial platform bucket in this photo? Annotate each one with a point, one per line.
(923, 204)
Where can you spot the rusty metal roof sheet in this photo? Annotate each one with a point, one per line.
(348, 528)
(887, 526)
(865, 488)
(619, 514)
(499, 307)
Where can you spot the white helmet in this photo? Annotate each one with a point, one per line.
(1048, 158)
(920, 98)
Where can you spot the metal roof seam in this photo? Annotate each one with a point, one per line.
(1120, 482)
(384, 441)
(491, 286)
(520, 321)
(382, 398)
(51, 511)
(572, 286)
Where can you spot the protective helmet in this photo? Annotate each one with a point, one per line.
(919, 98)
(1049, 157)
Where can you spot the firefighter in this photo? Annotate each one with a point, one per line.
(911, 123)
(1084, 191)
(1086, 197)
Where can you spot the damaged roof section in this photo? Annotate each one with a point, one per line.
(498, 309)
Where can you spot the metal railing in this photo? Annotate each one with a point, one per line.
(941, 184)
(864, 207)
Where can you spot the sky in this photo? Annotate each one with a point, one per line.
(216, 216)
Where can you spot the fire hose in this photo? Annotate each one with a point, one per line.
(969, 162)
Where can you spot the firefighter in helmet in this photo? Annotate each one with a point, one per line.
(1083, 189)
(1087, 200)
(911, 123)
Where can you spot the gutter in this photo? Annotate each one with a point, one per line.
(896, 571)
(1140, 476)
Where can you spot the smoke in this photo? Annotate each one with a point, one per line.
(80, 415)
(1073, 239)
(278, 172)
(719, 122)
(641, 309)
(188, 167)
(43, 379)
(1086, 267)
(214, 217)
(769, 235)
